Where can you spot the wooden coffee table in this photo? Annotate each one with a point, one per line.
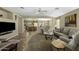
(59, 44)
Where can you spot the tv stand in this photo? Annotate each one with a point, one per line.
(10, 45)
(5, 33)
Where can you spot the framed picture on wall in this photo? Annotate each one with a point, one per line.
(70, 21)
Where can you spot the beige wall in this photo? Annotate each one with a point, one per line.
(62, 18)
(19, 24)
(3, 13)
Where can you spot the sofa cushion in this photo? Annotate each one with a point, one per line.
(57, 29)
(65, 38)
(66, 31)
(61, 29)
(72, 32)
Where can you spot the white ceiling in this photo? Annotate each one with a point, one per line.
(31, 11)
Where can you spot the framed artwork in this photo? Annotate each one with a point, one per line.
(70, 21)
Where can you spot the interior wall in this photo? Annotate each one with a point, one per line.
(19, 25)
(3, 13)
(62, 18)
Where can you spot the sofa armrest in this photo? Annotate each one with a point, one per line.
(65, 39)
(68, 48)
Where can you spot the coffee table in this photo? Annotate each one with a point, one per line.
(48, 35)
(58, 44)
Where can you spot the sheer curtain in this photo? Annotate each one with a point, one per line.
(57, 23)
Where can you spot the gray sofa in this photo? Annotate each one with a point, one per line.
(68, 35)
(74, 43)
(65, 33)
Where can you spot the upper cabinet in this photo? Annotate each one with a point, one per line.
(4, 14)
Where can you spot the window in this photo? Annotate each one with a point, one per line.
(57, 23)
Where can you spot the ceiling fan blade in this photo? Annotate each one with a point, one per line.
(22, 7)
(44, 10)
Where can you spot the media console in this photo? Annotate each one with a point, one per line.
(10, 45)
(8, 32)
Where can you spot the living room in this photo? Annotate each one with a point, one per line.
(35, 29)
(39, 29)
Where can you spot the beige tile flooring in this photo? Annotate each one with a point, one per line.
(24, 39)
(29, 36)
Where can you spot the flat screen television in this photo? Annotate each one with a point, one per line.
(6, 26)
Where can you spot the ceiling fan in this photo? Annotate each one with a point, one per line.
(22, 7)
(40, 11)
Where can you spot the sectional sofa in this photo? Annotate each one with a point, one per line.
(65, 34)
(68, 35)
